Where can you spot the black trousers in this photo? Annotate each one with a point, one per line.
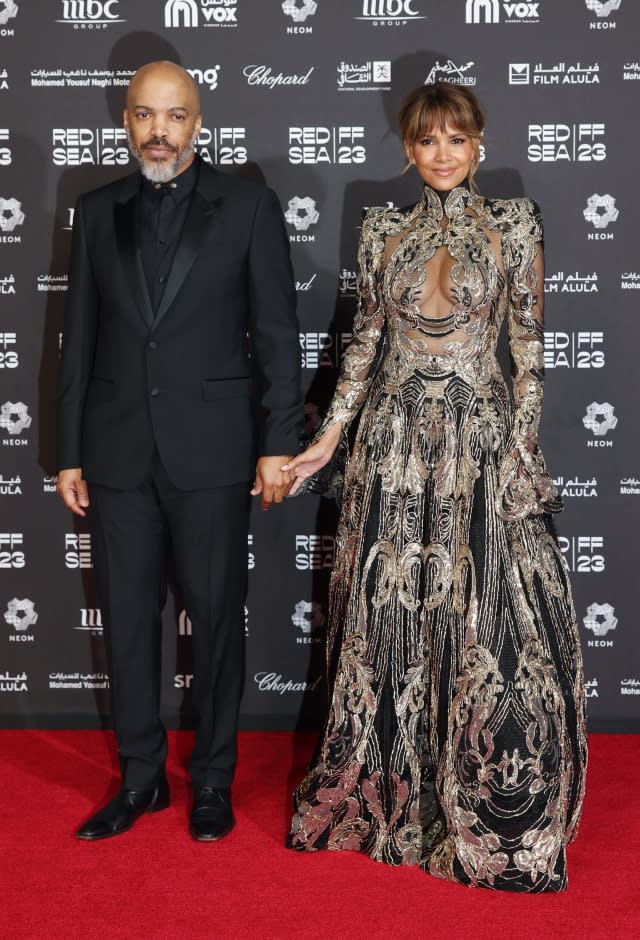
(133, 532)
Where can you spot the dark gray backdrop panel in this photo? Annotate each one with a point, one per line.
(303, 95)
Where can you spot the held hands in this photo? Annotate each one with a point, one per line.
(272, 480)
(72, 489)
(314, 458)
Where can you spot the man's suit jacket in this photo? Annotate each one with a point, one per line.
(179, 380)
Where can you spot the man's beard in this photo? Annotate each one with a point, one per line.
(161, 171)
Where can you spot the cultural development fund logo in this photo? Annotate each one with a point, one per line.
(489, 11)
(15, 418)
(601, 211)
(8, 9)
(389, 12)
(600, 419)
(370, 76)
(600, 619)
(187, 13)
(11, 216)
(309, 617)
(21, 614)
(90, 14)
(301, 212)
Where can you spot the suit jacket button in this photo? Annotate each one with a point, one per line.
(155, 392)
(153, 344)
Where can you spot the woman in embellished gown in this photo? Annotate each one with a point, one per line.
(455, 734)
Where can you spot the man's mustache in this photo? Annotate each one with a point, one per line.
(159, 142)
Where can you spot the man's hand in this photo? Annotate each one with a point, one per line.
(271, 480)
(73, 491)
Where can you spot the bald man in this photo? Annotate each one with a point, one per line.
(179, 276)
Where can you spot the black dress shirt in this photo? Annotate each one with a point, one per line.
(162, 210)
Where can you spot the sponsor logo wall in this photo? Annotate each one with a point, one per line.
(302, 94)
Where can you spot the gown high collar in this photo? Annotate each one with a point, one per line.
(448, 202)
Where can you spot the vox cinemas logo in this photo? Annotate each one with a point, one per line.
(96, 146)
(11, 550)
(602, 10)
(90, 14)
(575, 143)
(184, 14)
(493, 11)
(225, 146)
(77, 550)
(390, 12)
(600, 620)
(323, 350)
(8, 10)
(333, 145)
(583, 553)
(579, 349)
(315, 552)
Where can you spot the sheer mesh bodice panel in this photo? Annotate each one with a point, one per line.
(429, 285)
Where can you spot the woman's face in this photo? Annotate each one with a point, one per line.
(443, 158)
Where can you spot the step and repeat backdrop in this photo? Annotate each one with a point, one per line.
(303, 95)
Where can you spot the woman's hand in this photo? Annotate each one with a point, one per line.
(314, 458)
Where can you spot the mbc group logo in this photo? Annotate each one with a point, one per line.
(389, 12)
(90, 14)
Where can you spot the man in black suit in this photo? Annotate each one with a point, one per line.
(180, 276)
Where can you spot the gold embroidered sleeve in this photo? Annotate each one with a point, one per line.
(357, 365)
(524, 485)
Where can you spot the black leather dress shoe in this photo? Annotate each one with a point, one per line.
(124, 810)
(211, 816)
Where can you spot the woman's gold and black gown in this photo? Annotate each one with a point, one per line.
(455, 735)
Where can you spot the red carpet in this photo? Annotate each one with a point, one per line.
(154, 882)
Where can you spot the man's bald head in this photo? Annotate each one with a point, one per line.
(164, 74)
(162, 119)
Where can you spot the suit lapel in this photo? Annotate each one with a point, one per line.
(199, 217)
(124, 216)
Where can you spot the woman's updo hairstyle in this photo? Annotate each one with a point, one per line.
(431, 107)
